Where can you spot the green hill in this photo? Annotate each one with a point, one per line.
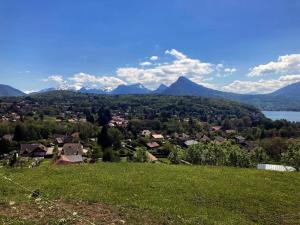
(135, 193)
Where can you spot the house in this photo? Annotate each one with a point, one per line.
(72, 149)
(216, 128)
(275, 167)
(190, 142)
(146, 133)
(118, 121)
(230, 131)
(240, 140)
(219, 140)
(152, 145)
(33, 150)
(69, 159)
(60, 140)
(157, 136)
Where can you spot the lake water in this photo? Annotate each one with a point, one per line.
(288, 115)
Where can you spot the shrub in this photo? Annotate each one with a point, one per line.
(109, 155)
(176, 155)
(211, 154)
(292, 156)
(140, 155)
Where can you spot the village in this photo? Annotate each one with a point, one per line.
(70, 149)
(35, 128)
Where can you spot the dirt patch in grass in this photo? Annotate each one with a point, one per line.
(62, 212)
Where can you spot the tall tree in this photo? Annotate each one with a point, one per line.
(20, 133)
(115, 136)
(104, 139)
(4, 146)
(104, 116)
(89, 117)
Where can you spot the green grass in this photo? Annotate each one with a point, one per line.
(169, 194)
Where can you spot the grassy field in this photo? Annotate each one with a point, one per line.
(133, 193)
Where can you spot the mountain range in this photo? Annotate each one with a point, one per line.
(6, 90)
(286, 98)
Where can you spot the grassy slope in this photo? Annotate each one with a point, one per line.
(178, 194)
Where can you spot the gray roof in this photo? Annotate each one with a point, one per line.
(72, 149)
(29, 148)
(71, 158)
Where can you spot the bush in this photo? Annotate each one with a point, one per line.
(140, 155)
(258, 155)
(96, 153)
(109, 155)
(292, 156)
(176, 155)
(221, 155)
(274, 147)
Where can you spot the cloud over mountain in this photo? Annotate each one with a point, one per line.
(262, 85)
(150, 74)
(287, 64)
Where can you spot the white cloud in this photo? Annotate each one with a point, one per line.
(145, 64)
(261, 86)
(288, 64)
(79, 80)
(30, 91)
(230, 70)
(63, 84)
(149, 74)
(92, 80)
(154, 58)
(176, 54)
(55, 78)
(168, 72)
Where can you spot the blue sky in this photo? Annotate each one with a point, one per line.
(233, 45)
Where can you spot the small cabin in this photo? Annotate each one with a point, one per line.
(33, 150)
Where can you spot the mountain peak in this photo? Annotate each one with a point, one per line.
(292, 90)
(184, 86)
(160, 89)
(183, 78)
(137, 88)
(6, 91)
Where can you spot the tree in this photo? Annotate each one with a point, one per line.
(176, 155)
(211, 154)
(258, 155)
(167, 148)
(110, 156)
(274, 147)
(96, 153)
(89, 117)
(104, 116)
(103, 138)
(20, 132)
(115, 136)
(4, 146)
(55, 154)
(140, 155)
(292, 156)
(41, 116)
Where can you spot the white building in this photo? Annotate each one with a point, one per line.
(275, 167)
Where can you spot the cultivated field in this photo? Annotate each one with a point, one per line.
(133, 193)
